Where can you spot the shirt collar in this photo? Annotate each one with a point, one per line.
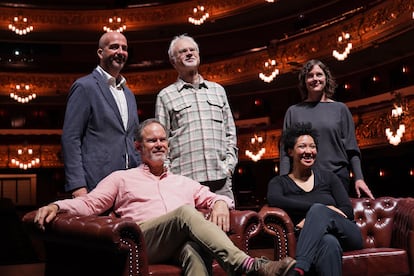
(110, 79)
(181, 84)
(147, 170)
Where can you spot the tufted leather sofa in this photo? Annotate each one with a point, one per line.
(106, 245)
(387, 226)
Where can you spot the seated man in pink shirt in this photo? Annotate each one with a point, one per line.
(164, 206)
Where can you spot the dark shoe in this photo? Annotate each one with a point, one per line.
(265, 267)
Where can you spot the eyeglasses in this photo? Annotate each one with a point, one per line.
(185, 51)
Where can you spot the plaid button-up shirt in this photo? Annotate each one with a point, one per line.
(202, 133)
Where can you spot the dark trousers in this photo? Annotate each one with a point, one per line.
(221, 186)
(323, 237)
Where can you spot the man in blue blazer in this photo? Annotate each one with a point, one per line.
(100, 120)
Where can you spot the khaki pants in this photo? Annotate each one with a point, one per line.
(167, 239)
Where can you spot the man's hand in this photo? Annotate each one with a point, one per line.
(361, 185)
(79, 192)
(220, 215)
(45, 214)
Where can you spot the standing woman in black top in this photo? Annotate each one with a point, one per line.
(318, 205)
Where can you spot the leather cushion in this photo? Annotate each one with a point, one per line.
(375, 261)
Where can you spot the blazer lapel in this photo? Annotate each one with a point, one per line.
(131, 110)
(104, 88)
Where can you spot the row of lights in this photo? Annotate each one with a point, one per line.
(344, 45)
(270, 72)
(257, 149)
(344, 41)
(199, 16)
(383, 173)
(22, 93)
(396, 129)
(375, 78)
(115, 25)
(25, 159)
(21, 26)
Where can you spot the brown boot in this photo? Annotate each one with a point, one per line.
(265, 267)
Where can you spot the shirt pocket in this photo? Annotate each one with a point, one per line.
(181, 112)
(216, 106)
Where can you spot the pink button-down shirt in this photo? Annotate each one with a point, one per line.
(138, 194)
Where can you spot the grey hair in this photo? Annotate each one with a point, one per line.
(174, 41)
(141, 126)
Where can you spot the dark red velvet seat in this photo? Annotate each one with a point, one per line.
(106, 245)
(387, 226)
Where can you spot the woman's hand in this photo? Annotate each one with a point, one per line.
(300, 224)
(336, 210)
(361, 185)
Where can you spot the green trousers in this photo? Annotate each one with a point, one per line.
(183, 236)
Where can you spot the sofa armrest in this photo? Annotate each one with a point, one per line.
(244, 225)
(71, 236)
(277, 223)
(403, 228)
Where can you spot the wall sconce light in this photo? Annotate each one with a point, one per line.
(396, 128)
(115, 25)
(256, 143)
(344, 41)
(25, 158)
(375, 78)
(347, 86)
(22, 93)
(20, 25)
(270, 71)
(199, 15)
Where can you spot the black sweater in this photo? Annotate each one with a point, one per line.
(284, 193)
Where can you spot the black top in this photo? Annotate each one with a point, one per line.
(328, 189)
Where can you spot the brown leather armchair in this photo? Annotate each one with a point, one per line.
(106, 245)
(387, 226)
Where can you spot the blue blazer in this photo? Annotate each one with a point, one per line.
(94, 141)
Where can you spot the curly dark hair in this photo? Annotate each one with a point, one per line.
(330, 80)
(290, 135)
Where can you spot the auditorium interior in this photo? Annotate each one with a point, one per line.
(254, 48)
